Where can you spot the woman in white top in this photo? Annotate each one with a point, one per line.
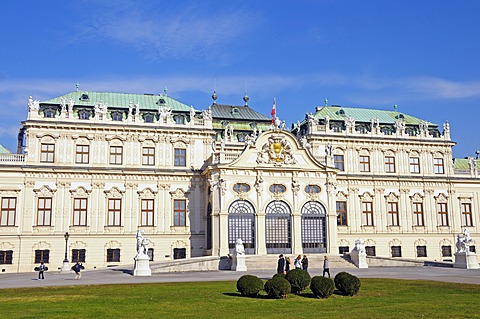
(298, 262)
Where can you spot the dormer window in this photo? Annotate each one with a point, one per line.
(161, 101)
(49, 112)
(84, 97)
(235, 111)
(179, 119)
(148, 118)
(117, 116)
(84, 114)
(400, 116)
(341, 112)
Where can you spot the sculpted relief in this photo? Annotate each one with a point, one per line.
(276, 151)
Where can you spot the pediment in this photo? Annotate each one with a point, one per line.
(277, 149)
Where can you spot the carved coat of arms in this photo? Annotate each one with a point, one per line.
(276, 151)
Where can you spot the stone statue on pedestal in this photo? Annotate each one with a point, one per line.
(142, 260)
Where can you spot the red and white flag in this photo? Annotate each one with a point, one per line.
(274, 109)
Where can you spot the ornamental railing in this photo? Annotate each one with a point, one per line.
(12, 158)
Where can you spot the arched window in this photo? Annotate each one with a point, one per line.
(241, 224)
(314, 230)
(278, 230)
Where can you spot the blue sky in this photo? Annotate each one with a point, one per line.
(421, 55)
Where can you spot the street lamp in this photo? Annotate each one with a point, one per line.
(65, 260)
(66, 266)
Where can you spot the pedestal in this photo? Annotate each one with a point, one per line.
(238, 263)
(65, 267)
(359, 259)
(466, 260)
(142, 266)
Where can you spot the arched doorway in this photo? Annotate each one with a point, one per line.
(314, 230)
(278, 230)
(241, 224)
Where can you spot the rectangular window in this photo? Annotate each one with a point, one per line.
(473, 249)
(42, 256)
(392, 208)
(148, 156)
(421, 251)
(82, 154)
(44, 211)
(47, 153)
(370, 251)
(418, 219)
(446, 251)
(114, 211)
(367, 210)
(343, 250)
(342, 213)
(396, 251)
(415, 165)
(179, 212)
(116, 154)
(78, 255)
(438, 166)
(467, 218)
(389, 164)
(6, 257)
(7, 214)
(80, 212)
(180, 157)
(442, 214)
(113, 255)
(338, 162)
(364, 163)
(147, 212)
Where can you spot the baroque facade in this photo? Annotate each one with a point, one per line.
(99, 166)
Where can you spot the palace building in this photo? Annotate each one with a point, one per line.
(99, 166)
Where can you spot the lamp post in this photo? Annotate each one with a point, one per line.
(66, 266)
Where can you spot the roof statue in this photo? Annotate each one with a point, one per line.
(33, 105)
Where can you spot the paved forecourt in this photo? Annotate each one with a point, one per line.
(121, 275)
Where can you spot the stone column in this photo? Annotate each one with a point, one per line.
(332, 242)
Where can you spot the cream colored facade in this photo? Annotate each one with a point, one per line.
(102, 178)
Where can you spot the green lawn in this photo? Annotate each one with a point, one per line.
(378, 298)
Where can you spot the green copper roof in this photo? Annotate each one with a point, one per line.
(462, 163)
(4, 150)
(120, 100)
(228, 112)
(340, 113)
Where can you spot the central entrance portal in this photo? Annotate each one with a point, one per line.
(278, 230)
(314, 230)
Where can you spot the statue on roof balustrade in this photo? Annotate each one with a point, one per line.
(33, 104)
(165, 113)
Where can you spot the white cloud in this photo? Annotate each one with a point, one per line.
(158, 32)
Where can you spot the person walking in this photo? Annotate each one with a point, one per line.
(298, 263)
(281, 265)
(77, 268)
(41, 269)
(326, 266)
(287, 264)
(305, 263)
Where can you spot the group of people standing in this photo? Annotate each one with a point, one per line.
(284, 264)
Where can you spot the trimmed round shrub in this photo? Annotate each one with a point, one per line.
(279, 275)
(299, 280)
(322, 287)
(347, 284)
(249, 285)
(277, 287)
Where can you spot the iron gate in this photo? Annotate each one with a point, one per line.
(314, 230)
(241, 224)
(278, 230)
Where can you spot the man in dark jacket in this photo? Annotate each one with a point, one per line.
(305, 263)
(281, 265)
(77, 268)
